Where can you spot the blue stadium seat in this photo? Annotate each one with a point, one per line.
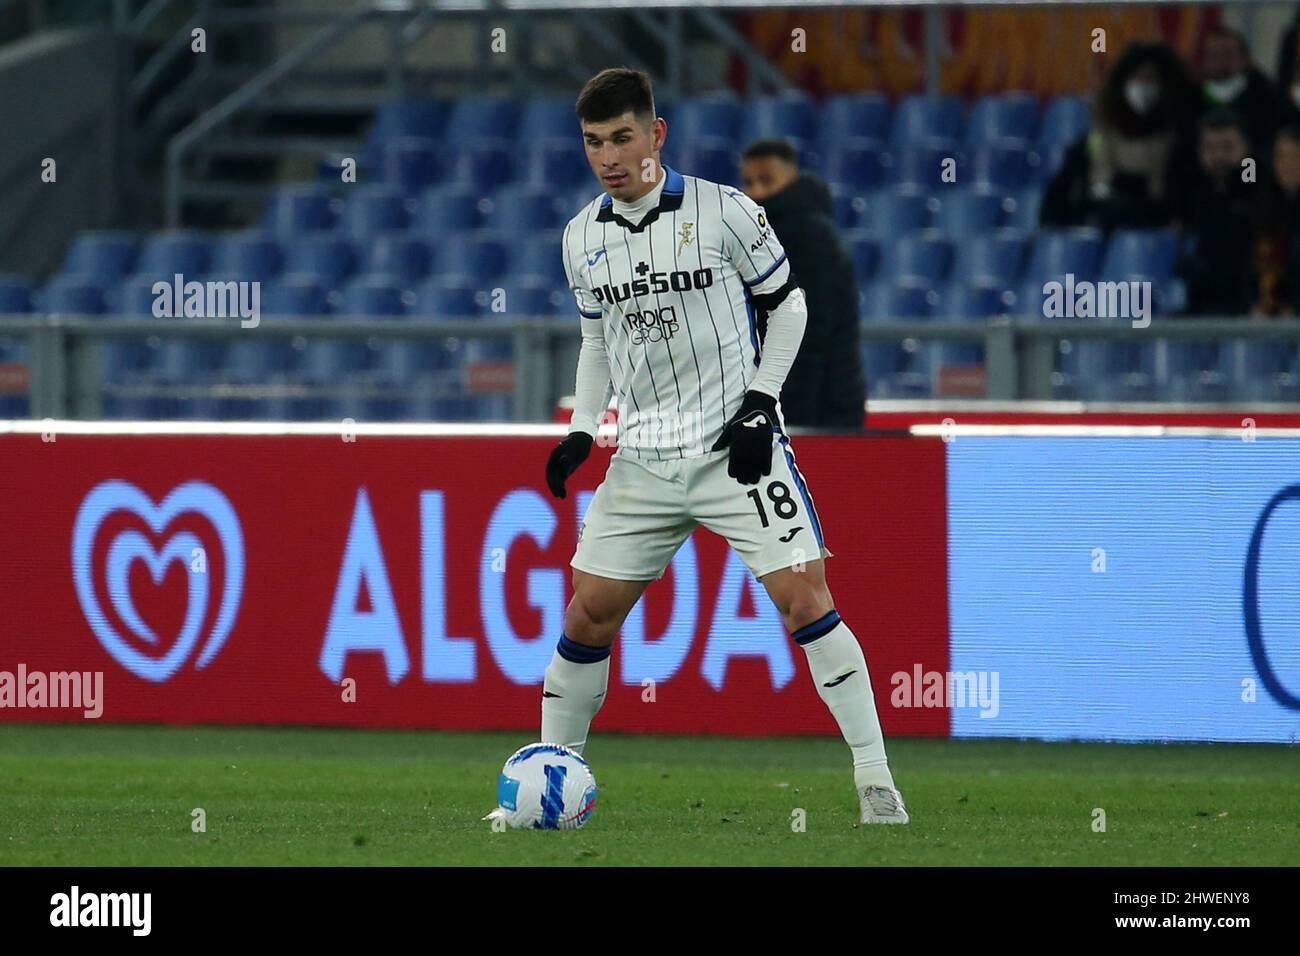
(259, 358)
(487, 164)
(920, 118)
(846, 207)
(1003, 116)
(524, 209)
(373, 210)
(186, 360)
(296, 295)
(293, 210)
(483, 257)
(1022, 208)
(1059, 251)
(325, 361)
(407, 117)
(408, 257)
(328, 258)
(718, 114)
(894, 212)
(881, 361)
(863, 249)
(557, 164)
(789, 115)
(884, 300)
(106, 256)
(1050, 161)
(72, 295)
(450, 297)
(372, 296)
(1027, 297)
(858, 164)
(448, 209)
(922, 165)
(853, 115)
(538, 257)
(1004, 165)
(251, 256)
(482, 117)
(166, 253)
(529, 298)
(1065, 120)
(923, 256)
(407, 362)
(1150, 252)
(712, 158)
(582, 196)
(15, 295)
(969, 212)
(992, 259)
(411, 164)
(959, 300)
(134, 297)
(549, 116)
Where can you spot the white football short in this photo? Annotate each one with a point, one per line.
(645, 509)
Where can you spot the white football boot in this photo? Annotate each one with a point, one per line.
(882, 805)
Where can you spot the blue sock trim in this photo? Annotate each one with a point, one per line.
(810, 632)
(577, 653)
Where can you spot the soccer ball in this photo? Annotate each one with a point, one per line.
(546, 787)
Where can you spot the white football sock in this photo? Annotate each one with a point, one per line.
(572, 692)
(840, 670)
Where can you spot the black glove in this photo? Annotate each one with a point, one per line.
(749, 433)
(565, 459)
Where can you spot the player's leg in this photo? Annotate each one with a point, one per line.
(578, 675)
(775, 528)
(838, 666)
(633, 527)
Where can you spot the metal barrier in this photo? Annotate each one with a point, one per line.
(66, 378)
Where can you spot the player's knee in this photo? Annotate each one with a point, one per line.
(806, 606)
(584, 623)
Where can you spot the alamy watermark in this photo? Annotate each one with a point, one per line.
(208, 300)
(1084, 299)
(946, 689)
(59, 690)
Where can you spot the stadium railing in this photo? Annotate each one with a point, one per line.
(66, 379)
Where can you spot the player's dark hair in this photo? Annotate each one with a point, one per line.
(613, 92)
(1222, 118)
(1291, 132)
(779, 148)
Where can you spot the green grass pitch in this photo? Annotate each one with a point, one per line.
(118, 795)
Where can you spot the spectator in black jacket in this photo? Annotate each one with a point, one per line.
(1215, 210)
(1229, 79)
(826, 386)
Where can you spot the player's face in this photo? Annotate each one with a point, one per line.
(765, 176)
(624, 154)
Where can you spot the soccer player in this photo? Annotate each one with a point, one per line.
(668, 271)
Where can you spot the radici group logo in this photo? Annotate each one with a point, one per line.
(125, 632)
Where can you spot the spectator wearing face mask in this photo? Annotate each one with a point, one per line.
(1277, 230)
(1118, 174)
(1229, 79)
(1215, 210)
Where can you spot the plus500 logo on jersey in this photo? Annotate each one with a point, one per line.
(656, 283)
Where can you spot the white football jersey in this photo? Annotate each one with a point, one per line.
(673, 295)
